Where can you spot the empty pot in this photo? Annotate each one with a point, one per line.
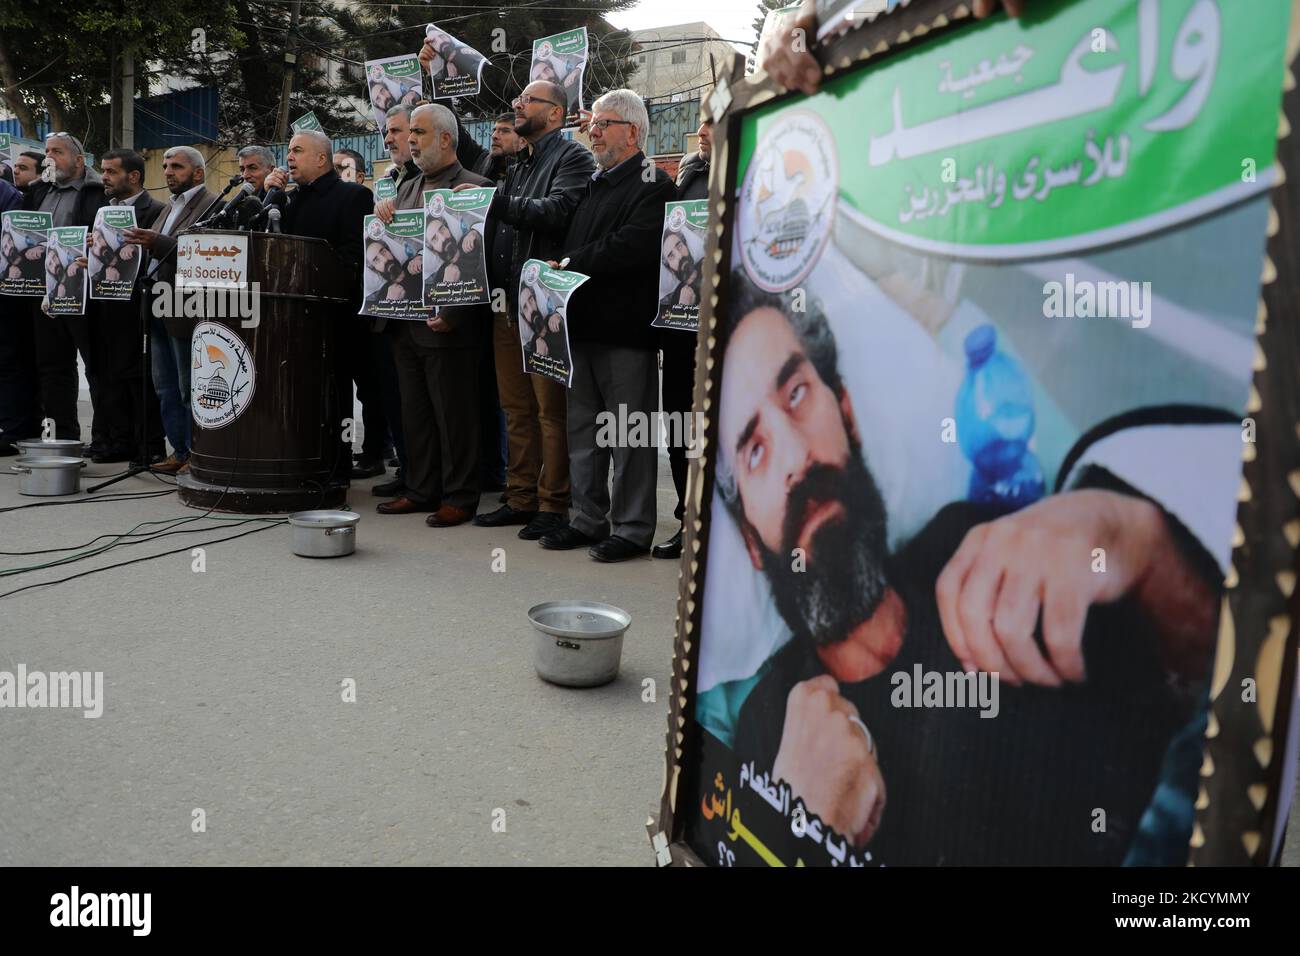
(50, 448)
(324, 534)
(578, 643)
(47, 477)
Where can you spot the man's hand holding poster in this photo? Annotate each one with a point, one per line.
(393, 274)
(455, 271)
(544, 292)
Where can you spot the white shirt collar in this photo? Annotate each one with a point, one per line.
(182, 198)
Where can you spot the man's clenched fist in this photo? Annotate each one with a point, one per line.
(826, 759)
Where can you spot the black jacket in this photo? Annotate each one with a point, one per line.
(693, 178)
(614, 238)
(531, 210)
(89, 199)
(332, 210)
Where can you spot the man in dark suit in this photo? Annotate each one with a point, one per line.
(72, 196)
(437, 358)
(679, 346)
(184, 172)
(323, 206)
(614, 238)
(116, 336)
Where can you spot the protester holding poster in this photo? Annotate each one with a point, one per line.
(393, 81)
(950, 673)
(543, 329)
(65, 276)
(455, 68)
(23, 237)
(454, 270)
(562, 59)
(681, 261)
(113, 261)
(393, 274)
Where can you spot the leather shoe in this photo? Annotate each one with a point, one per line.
(670, 549)
(401, 506)
(171, 465)
(389, 489)
(6, 450)
(566, 539)
(503, 516)
(448, 516)
(365, 467)
(91, 450)
(112, 456)
(615, 548)
(543, 524)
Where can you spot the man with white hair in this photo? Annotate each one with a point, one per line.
(184, 172)
(323, 206)
(614, 238)
(438, 358)
(72, 193)
(255, 164)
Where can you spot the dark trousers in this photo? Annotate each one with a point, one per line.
(391, 394)
(19, 392)
(492, 420)
(58, 340)
(121, 410)
(363, 356)
(678, 391)
(440, 417)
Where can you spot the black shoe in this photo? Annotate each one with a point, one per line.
(394, 462)
(112, 456)
(90, 451)
(503, 516)
(390, 489)
(543, 524)
(502, 497)
(368, 467)
(670, 549)
(615, 548)
(153, 460)
(6, 450)
(566, 539)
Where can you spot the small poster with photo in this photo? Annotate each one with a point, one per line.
(114, 262)
(455, 270)
(22, 251)
(455, 67)
(308, 121)
(393, 275)
(681, 261)
(543, 319)
(393, 81)
(65, 276)
(562, 59)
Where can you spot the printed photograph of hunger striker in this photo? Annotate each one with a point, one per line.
(986, 382)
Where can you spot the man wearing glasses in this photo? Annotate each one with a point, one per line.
(528, 219)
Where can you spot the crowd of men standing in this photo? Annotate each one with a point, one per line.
(446, 400)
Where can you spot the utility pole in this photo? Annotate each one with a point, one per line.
(290, 66)
(121, 129)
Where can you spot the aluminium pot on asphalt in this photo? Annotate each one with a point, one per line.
(48, 477)
(50, 448)
(324, 534)
(578, 643)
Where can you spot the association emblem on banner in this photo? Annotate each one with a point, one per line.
(787, 201)
(222, 376)
(530, 274)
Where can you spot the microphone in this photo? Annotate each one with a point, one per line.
(273, 220)
(275, 195)
(221, 214)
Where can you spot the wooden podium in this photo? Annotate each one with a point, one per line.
(266, 395)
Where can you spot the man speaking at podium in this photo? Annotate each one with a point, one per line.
(323, 206)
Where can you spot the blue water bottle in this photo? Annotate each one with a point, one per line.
(995, 420)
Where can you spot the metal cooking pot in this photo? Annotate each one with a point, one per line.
(324, 534)
(578, 643)
(45, 477)
(50, 448)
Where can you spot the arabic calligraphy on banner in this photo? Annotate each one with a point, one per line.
(212, 261)
(1046, 135)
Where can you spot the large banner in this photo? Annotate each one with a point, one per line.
(681, 263)
(393, 81)
(393, 276)
(543, 319)
(984, 360)
(23, 236)
(114, 262)
(455, 68)
(65, 276)
(455, 270)
(562, 58)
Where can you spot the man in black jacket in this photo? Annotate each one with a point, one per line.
(437, 357)
(614, 238)
(73, 198)
(679, 346)
(528, 219)
(325, 207)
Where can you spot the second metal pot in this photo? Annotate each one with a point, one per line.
(48, 477)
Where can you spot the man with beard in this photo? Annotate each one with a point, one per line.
(1092, 695)
(400, 282)
(20, 264)
(685, 269)
(449, 251)
(541, 332)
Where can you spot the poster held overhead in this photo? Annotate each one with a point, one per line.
(393, 81)
(562, 59)
(455, 69)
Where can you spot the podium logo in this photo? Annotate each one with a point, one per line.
(222, 375)
(208, 300)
